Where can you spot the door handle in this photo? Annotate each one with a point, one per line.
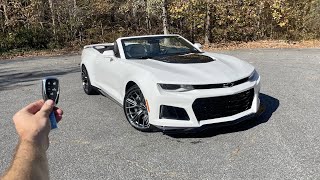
(109, 59)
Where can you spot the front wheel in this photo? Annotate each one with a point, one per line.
(135, 109)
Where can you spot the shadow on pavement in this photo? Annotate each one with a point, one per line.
(268, 106)
(11, 79)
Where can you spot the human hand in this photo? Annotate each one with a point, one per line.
(32, 122)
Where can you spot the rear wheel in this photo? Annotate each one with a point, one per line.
(86, 84)
(135, 109)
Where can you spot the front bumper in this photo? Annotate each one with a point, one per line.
(185, 100)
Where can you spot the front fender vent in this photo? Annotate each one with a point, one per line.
(171, 112)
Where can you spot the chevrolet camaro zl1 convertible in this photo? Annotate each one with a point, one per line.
(166, 82)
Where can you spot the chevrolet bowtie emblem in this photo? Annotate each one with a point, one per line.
(225, 85)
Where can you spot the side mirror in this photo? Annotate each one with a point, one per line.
(197, 45)
(108, 53)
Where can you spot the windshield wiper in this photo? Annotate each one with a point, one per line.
(184, 53)
(143, 57)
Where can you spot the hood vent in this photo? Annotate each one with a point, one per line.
(185, 59)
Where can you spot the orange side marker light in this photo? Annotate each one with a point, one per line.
(147, 104)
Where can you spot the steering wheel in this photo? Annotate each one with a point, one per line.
(163, 51)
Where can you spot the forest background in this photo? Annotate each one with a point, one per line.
(27, 25)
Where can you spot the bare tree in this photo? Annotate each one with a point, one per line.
(148, 22)
(165, 16)
(51, 5)
(75, 8)
(207, 37)
(5, 13)
(74, 19)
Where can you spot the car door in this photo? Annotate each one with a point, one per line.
(108, 74)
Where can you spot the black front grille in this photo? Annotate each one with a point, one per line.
(223, 106)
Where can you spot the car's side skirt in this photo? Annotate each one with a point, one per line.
(109, 97)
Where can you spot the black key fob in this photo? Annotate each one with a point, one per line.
(50, 89)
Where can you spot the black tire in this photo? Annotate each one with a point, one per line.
(135, 110)
(86, 84)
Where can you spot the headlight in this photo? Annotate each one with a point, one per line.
(176, 87)
(253, 76)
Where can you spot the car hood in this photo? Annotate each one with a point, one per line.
(210, 69)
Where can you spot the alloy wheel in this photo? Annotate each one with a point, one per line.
(85, 82)
(136, 110)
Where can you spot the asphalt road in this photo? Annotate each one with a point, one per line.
(94, 141)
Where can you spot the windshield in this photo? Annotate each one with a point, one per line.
(149, 47)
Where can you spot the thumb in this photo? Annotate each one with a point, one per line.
(47, 107)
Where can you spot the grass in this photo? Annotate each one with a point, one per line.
(280, 44)
(17, 53)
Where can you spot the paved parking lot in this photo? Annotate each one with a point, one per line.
(94, 140)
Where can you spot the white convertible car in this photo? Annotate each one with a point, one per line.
(164, 81)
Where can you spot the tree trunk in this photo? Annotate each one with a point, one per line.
(148, 22)
(208, 25)
(75, 8)
(192, 31)
(165, 17)
(134, 20)
(260, 28)
(75, 19)
(5, 13)
(52, 17)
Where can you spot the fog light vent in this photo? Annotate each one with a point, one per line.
(171, 112)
